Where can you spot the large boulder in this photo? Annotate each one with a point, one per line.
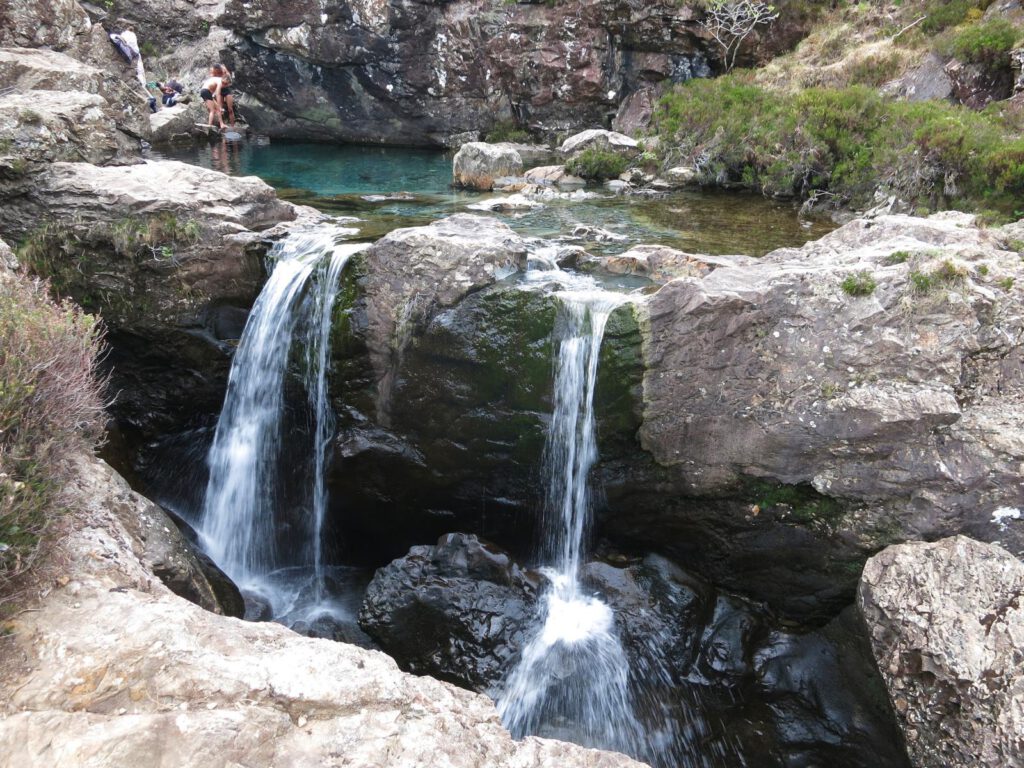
(39, 69)
(162, 251)
(110, 668)
(477, 164)
(471, 611)
(415, 272)
(826, 401)
(39, 127)
(176, 122)
(947, 624)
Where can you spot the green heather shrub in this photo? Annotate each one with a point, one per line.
(506, 130)
(943, 14)
(849, 142)
(50, 404)
(897, 257)
(988, 43)
(596, 164)
(859, 284)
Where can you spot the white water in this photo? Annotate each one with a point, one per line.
(240, 513)
(573, 680)
(574, 673)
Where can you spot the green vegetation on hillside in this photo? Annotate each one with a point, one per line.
(50, 404)
(846, 142)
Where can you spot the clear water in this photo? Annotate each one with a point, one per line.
(351, 179)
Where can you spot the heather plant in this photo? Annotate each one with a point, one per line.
(51, 404)
(850, 142)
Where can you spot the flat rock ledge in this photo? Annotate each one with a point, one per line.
(110, 669)
(946, 622)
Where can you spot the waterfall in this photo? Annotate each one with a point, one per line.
(318, 346)
(240, 515)
(573, 679)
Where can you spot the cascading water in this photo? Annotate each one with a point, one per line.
(573, 679)
(317, 350)
(240, 514)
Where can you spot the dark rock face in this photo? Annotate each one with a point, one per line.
(457, 611)
(414, 72)
(462, 611)
(977, 86)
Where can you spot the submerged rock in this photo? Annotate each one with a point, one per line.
(112, 669)
(478, 164)
(946, 622)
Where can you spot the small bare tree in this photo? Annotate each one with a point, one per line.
(730, 22)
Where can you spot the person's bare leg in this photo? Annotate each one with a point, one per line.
(229, 100)
(220, 112)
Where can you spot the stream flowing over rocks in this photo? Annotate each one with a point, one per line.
(774, 436)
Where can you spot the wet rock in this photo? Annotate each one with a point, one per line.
(515, 202)
(468, 611)
(554, 174)
(413, 273)
(177, 122)
(113, 667)
(946, 623)
(634, 115)
(600, 140)
(478, 164)
(827, 699)
(662, 264)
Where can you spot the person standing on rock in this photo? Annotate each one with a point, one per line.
(211, 96)
(225, 91)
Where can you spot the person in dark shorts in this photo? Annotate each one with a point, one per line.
(209, 92)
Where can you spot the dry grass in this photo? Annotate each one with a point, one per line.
(51, 404)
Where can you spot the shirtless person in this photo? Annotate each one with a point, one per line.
(210, 94)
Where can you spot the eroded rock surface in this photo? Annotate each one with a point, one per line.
(889, 415)
(111, 669)
(417, 271)
(946, 621)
